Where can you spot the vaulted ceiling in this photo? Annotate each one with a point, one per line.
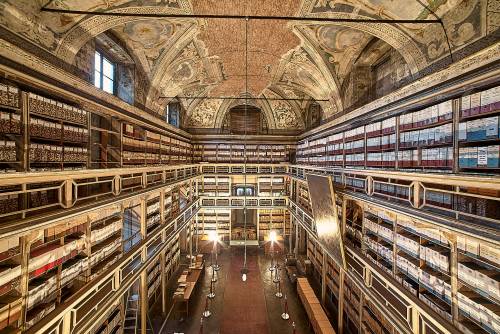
(286, 59)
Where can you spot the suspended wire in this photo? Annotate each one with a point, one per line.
(245, 146)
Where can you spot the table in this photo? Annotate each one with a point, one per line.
(191, 280)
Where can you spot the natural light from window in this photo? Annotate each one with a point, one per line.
(104, 73)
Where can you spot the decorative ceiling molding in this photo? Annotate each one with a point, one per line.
(91, 26)
(286, 114)
(312, 49)
(195, 57)
(388, 33)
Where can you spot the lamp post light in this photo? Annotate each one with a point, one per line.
(285, 315)
(206, 312)
(272, 238)
(211, 295)
(278, 293)
(277, 275)
(244, 272)
(214, 237)
(214, 275)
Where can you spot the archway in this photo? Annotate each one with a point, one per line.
(245, 119)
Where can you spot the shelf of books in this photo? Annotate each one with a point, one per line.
(271, 186)
(478, 285)
(215, 186)
(154, 282)
(419, 257)
(58, 135)
(428, 139)
(153, 217)
(360, 315)
(172, 257)
(61, 260)
(424, 259)
(375, 322)
(112, 323)
(214, 220)
(276, 220)
(354, 224)
(10, 281)
(105, 141)
(39, 133)
(236, 153)
(11, 130)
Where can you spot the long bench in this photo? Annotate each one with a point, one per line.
(317, 316)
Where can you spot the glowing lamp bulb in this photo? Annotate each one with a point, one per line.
(244, 277)
(212, 236)
(272, 236)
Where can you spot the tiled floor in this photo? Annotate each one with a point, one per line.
(238, 307)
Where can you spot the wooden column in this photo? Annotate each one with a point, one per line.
(190, 240)
(454, 279)
(143, 294)
(144, 301)
(296, 248)
(162, 206)
(26, 124)
(415, 323)
(163, 283)
(25, 245)
(143, 222)
(323, 278)
(341, 300)
(360, 310)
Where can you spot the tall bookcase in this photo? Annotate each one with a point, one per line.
(456, 135)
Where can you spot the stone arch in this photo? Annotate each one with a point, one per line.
(390, 33)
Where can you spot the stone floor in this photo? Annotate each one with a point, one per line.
(238, 307)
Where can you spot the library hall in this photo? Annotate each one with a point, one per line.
(250, 166)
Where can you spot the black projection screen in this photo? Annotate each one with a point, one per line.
(326, 217)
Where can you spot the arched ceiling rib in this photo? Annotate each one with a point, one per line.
(206, 57)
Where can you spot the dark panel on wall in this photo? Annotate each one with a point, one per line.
(241, 120)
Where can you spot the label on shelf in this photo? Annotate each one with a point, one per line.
(482, 156)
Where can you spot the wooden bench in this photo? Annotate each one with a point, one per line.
(317, 316)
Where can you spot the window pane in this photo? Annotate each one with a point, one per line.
(107, 68)
(97, 64)
(97, 79)
(107, 85)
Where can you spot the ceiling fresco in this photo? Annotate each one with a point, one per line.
(286, 59)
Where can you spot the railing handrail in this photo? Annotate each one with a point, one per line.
(80, 296)
(9, 179)
(491, 182)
